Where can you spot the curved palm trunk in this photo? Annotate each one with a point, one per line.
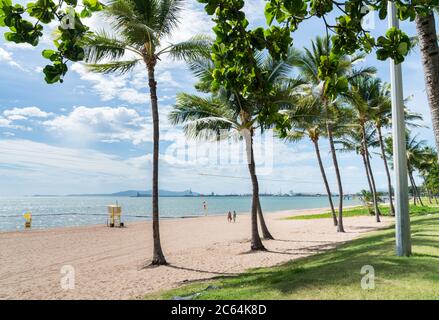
(375, 195)
(265, 233)
(329, 128)
(413, 189)
(256, 243)
(429, 196)
(367, 172)
(158, 256)
(428, 43)
(372, 179)
(386, 166)
(416, 190)
(325, 179)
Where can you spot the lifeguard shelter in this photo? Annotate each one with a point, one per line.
(114, 218)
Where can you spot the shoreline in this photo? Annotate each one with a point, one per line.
(108, 263)
(291, 212)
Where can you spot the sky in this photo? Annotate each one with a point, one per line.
(93, 133)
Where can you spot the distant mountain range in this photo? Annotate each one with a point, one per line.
(148, 193)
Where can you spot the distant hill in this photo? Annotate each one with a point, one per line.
(148, 193)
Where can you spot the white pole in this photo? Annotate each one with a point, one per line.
(402, 218)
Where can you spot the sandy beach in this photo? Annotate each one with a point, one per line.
(108, 262)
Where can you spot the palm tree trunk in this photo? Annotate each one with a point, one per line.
(256, 243)
(375, 195)
(265, 233)
(429, 196)
(372, 179)
(428, 43)
(367, 172)
(325, 179)
(416, 189)
(413, 189)
(329, 128)
(158, 256)
(386, 166)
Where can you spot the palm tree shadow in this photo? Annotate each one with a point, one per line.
(202, 271)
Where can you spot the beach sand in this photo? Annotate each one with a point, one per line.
(108, 262)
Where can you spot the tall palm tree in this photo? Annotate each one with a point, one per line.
(226, 112)
(306, 121)
(425, 165)
(428, 43)
(139, 27)
(365, 89)
(415, 153)
(354, 139)
(381, 116)
(308, 65)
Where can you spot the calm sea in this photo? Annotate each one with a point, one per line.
(49, 212)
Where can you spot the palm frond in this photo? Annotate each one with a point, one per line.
(119, 67)
(198, 47)
(168, 16)
(101, 45)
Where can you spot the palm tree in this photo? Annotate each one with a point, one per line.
(139, 27)
(381, 116)
(365, 89)
(415, 152)
(224, 111)
(306, 120)
(354, 139)
(428, 43)
(425, 165)
(308, 65)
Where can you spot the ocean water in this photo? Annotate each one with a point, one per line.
(50, 212)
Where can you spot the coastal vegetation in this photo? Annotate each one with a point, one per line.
(365, 211)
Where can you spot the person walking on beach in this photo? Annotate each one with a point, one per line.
(229, 217)
(205, 208)
(234, 216)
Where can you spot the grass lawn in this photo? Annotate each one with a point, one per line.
(362, 211)
(335, 274)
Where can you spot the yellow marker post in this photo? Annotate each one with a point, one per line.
(27, 220)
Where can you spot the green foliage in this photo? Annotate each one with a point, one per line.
(415, 211)
(42, 12)
(327, 72)
(234, 47)
(395, 44)
(350, 35)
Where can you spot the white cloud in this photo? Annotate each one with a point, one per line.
(110, 87)
(33, 167)
(24, 113)
(20, 46)
(103, 124)
(7, 57)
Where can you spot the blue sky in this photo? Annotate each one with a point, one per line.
(92, 134)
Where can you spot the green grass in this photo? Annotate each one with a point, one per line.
(362, 211)
(335, 274)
